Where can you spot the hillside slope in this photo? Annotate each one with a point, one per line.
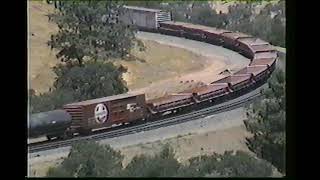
(41, 58)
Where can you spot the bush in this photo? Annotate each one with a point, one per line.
(89, 159)
(93, 80)
(267, 121)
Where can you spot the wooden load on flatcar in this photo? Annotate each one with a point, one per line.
(104, 112)
(170, 102)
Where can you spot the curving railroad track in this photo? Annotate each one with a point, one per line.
(227, 106)
(244, 83)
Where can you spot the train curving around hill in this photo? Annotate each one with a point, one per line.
(96, 114)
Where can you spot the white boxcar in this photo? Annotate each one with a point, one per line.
(144, 17)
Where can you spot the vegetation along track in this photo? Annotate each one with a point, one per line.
(238, 102)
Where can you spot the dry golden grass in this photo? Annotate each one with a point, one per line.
(41, 59)
(161, 61)
(192, 145)
(185, 147)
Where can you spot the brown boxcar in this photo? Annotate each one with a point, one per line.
(104, 112)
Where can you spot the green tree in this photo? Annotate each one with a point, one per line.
(163, 164)
(50, 100)
(94, 80)
(89, 159)
(72, 84)
(91, 29)
(266, 121)
(229, 164)
(241, 164)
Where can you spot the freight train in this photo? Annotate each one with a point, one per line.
(91, 115)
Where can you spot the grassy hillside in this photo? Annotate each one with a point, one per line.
(158, 61)
(41, 58)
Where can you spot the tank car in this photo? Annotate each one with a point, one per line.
(52, 124)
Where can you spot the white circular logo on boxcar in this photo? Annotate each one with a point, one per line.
(101, 113)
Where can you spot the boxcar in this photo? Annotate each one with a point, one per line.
(105, 112)
(144, 18)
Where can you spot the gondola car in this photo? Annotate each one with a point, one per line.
(171, 103)
(259, 73)
(211, 93)
(239, 84)
(230, 40)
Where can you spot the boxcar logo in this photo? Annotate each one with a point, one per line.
(101, 113)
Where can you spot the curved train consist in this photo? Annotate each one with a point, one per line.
(91, 115)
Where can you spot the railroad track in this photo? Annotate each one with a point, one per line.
(227, 106)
